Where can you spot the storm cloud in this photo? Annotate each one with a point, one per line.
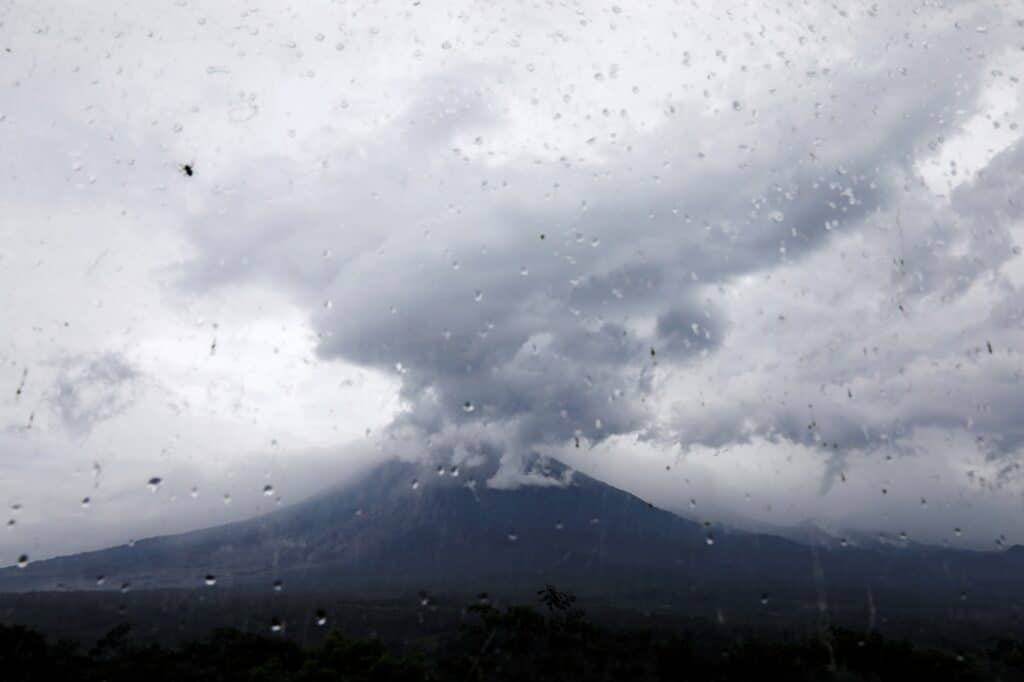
(695, 229)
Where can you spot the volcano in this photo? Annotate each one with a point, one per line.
(404, 526)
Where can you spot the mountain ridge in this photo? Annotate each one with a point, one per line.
(402, 527)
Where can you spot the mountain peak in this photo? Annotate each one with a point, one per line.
(409, 526)
(400, 520)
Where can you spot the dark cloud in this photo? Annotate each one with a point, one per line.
(728, 235)
(550, 318)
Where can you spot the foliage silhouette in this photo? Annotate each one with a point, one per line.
(516, 643)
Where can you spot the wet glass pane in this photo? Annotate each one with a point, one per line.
(452, 340)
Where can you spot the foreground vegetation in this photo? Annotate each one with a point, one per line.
(553, 642)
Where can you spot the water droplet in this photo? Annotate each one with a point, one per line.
(446, 45)
(276, 625)
(268, 490)
(710, 539)
(957, 532)
(125, 587)
(736, 106)
(524, 271)
(195, 492)
(328, 304)
(468, 407)
(85, 502)
(210, 580)
(154, 483)
(278, 586)
(512, 537)
(559, 526)
(100, 579)
(777, 216)
(227, 498)
(415, 484)
(478, 296)
(764, 599)
(23, 561)
(321, 618)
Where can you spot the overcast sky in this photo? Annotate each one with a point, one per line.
(757, 262)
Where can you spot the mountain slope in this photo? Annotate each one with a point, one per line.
(443, 533)
(385, 529)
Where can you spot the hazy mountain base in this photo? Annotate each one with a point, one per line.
(555, 642)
